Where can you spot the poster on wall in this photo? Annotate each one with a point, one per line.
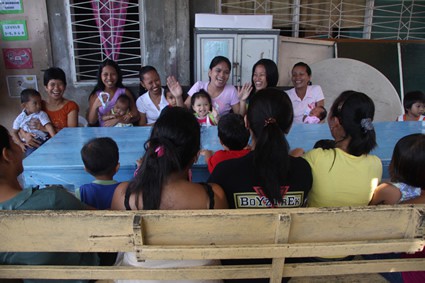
(14, 30)
(16, 84)
(17, 58)
(11, 7)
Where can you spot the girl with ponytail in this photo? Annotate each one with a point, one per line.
(267, 177)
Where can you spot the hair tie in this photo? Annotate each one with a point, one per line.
(366, 124)
(159, 150)
(269, 121)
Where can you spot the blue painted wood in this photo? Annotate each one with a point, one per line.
(58, 161)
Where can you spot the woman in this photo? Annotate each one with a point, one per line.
(163, 178)
(13, 197)
(304, 96)
(266, 177)
(346, 175)
(225, 98)
(264, 74)
(61, 111)
(105, 95)
(153, 100)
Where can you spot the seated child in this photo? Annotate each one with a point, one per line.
(201, 105)
(407, 169)
(414, 107)
(316, 115)
(100, 157)
(31, 104)
(233, 136)
(121, 108)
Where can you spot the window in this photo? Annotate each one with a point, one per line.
(369, 19)
(102, 29)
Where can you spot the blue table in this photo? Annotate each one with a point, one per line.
(58, 161)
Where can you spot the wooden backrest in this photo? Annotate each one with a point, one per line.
(219, 234)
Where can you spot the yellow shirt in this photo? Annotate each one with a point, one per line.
(342, 179)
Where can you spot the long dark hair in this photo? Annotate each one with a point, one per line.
(100, 86)
(272, 73)
(4, 138)
(355, 112)
(172, 147)
(270, 116)
(408, 161)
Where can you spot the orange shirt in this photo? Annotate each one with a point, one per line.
(59, 118)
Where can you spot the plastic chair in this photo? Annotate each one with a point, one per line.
(82, 122)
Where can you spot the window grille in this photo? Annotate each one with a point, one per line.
(369, 19)
(112, 30)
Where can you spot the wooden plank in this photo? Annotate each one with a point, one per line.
(210, 272)
(283, 224)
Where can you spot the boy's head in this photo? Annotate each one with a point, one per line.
(232, 131)
(31, 100)
(319, 111)
(100, 157)
(122, 105)
(170, 97)
(414, 102)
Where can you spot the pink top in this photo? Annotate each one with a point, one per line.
(222, 103)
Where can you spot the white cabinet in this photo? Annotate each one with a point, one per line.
(243, 48)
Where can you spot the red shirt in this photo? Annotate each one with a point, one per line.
(222, 155)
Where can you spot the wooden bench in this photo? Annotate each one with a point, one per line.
(217, 234)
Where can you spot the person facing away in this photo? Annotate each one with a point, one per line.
(101, 160)
(163, 182)
(315, 116)
(120, 109)
(102, 99)
(14, 197)
(304, 96)
(414, 107)
(31, 104)
(347, 174)
(233, 136)
(407, 169)
(268, 176)
(202, 108)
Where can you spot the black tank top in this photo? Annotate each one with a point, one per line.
(206, 186)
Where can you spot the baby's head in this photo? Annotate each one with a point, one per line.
(122, 106)
(408, 161)
(319, 111)
(100, 157)
(414, 103)
(232, 131)
(171, 99)
(31, 101)
(201, 103)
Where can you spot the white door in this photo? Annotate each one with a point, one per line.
(251, 48)
(209, 46)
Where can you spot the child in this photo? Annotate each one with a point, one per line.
(414, 107)
(121, 108)
(233, 137)
(171, 99)
(31, 104)
(201, 105)
(100, 157)
(316, 115)
(407, 169)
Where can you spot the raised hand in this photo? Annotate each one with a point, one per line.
(244, 91)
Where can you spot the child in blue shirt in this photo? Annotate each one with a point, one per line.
(100, 157)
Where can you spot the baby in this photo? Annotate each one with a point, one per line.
(316, 115)
(201, 105)
(121, 108)
(31, 104)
